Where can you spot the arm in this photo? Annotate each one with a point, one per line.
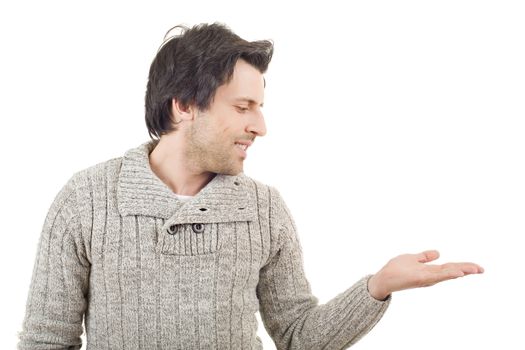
(59, 285)
(289, 311)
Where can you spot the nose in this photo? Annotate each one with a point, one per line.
(257, 125)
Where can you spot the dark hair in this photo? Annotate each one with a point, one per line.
(192, 65)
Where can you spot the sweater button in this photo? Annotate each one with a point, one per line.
(172, 229)
(197, 228)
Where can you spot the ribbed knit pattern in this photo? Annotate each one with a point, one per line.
(146, 270)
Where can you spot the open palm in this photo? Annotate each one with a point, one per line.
(412, 271)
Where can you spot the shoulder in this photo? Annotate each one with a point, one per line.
(92, 182)
(262, 190)
(268, 196)
(108, 168)
(90, 188)
(84, 178)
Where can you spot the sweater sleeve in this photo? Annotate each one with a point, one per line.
(58, 290)
(290, 313)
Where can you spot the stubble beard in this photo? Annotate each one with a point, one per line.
(216, 156)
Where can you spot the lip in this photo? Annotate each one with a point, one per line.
(245, 142)
(243, 152)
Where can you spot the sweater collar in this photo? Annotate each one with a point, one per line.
(140, 192)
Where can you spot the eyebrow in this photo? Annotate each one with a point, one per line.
(247, 99)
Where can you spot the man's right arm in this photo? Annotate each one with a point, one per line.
(58, 291)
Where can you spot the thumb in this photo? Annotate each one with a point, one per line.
(427, 256)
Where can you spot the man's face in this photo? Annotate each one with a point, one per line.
(234, 117)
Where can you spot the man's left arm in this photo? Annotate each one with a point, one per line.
(291, 314)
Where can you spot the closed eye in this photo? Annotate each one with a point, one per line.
(242, 109)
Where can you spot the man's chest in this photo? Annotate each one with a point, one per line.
(239, 247)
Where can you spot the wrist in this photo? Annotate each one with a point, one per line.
(376, 288)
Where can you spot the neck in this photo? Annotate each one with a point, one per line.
(168, 162)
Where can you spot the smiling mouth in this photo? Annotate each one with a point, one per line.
(243, 147)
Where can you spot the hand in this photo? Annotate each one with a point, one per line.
(409, 271)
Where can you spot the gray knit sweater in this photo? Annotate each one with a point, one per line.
(146, 270)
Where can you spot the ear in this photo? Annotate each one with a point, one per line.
(181, 112)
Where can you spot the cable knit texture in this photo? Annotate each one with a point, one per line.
(145, 270)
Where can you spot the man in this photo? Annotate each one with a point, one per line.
(172, 246)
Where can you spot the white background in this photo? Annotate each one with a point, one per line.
(393, 127)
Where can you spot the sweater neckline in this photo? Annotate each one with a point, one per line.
(141, 192)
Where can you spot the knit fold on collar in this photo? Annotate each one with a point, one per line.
(140, 192)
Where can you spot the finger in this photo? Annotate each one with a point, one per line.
(442, 275)
(427, 256)
(467, 267)
(448, 274)
(471, 268)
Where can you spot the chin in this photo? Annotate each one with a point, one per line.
(231, 172)
(228, 168)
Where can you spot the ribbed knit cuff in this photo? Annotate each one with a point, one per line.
(354, 313)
